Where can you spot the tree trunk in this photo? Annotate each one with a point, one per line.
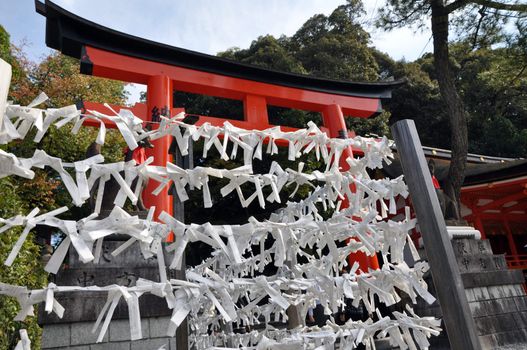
(453, 103)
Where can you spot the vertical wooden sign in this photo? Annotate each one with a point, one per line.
(450, 291)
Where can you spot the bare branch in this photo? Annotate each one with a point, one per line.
(404, 19)
(501, 6)
(476, 32)
(497, 5)
(456, 5)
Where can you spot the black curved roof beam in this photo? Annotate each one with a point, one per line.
(69, 33)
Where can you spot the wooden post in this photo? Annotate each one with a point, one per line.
(510, 239)
(479, 226)
(445, 273)
(294, 319)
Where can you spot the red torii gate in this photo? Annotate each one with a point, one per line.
(106, 53)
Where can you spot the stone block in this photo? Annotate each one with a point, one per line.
(125, 275)
(519, 289)
(54, 336)
(518, 320)
(502, 339)
(469, 292)
(112, 346)
(148, 344)
(509, 338)
(461, 247)
(504, 323)
(514, 290)
(508, 290)
(523, 315)
(481, 246)
(524, 335)
(81, 333)
(484, 325)
(159, 326)
(85, 306)
(488, 342)
(467, 246)
(492, 278)
(129, 257)
(521, 303)
(477, 309)
(509, 305)
(480, 262)
(500, 263)
(496, 292)
(119, 330)
(481, 293)
(493, 306)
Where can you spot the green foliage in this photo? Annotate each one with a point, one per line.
(26, 270)
(336, 46)
(377, 126)
(59, 76)
(228, 210)
(268, 52)
(493, 84)
(19, 64)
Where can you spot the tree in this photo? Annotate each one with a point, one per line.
(20, 83)
(268, 52)
(493, 84)
(419, 98)
(399, 13)
(336, 46)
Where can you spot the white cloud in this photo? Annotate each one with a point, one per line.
(202, 25)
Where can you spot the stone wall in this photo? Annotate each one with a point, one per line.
(496, 297)
(78, 336)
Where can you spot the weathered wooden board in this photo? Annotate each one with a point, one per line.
(447, 279)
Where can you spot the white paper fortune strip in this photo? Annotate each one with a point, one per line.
(24, 343)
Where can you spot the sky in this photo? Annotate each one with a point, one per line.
(207, 26)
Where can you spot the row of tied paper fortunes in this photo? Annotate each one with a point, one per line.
(197, 178)
(202, 292)
(16, 121)
(300, 232)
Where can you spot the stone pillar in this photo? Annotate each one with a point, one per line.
(73, 331)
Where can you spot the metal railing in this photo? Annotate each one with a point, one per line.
(516, 261)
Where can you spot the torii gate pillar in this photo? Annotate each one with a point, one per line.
(336, 125)
(159, 102)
